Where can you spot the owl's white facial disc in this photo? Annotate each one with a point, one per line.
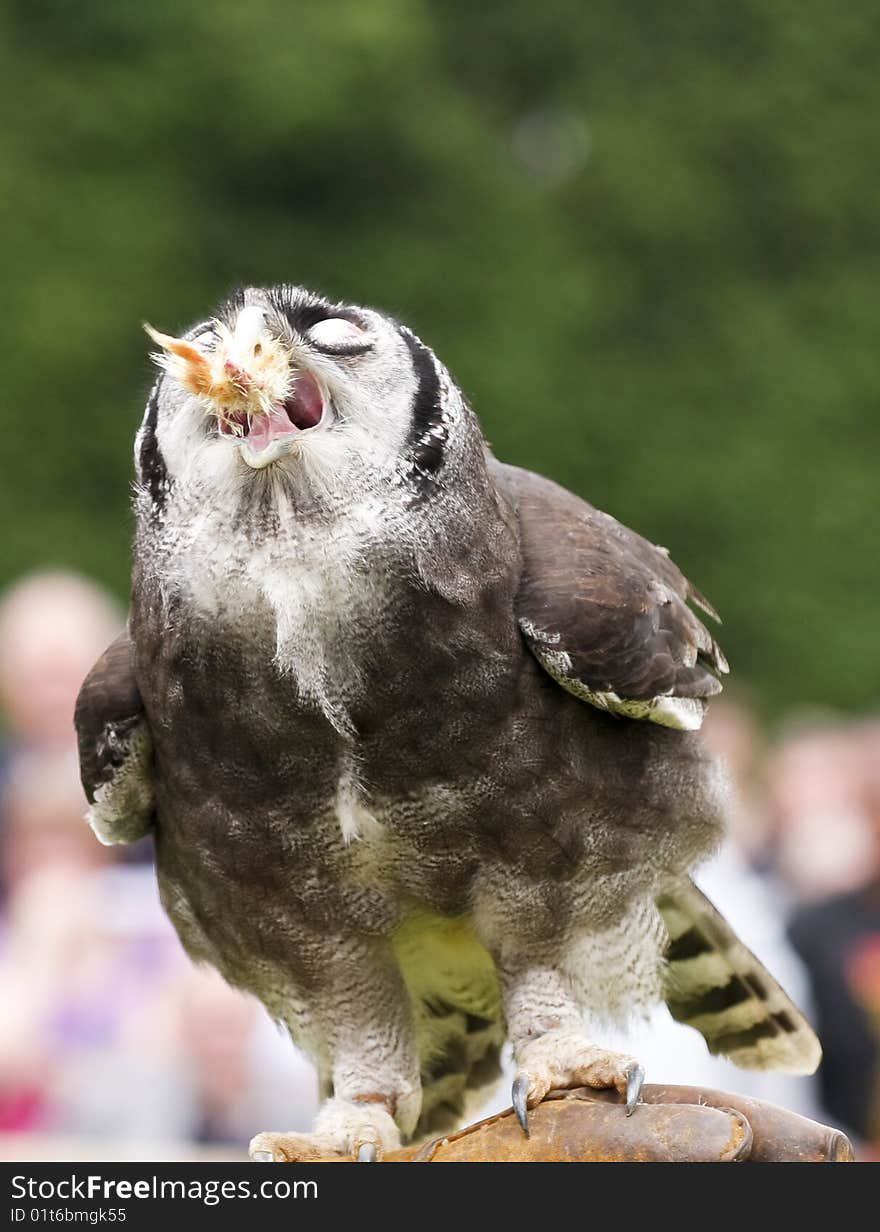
(328, 397)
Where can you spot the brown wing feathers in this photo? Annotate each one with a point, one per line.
(108, 709)
(610, 605)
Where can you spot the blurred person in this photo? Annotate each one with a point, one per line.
(42, 802)
(838, 939)
(215, 1027)
(734, 734)
(106, 1029)
(239, 1067)
(823, 839)
(47, 845)
(53, 625)
(51, 959)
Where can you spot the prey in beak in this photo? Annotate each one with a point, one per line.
(249, 383)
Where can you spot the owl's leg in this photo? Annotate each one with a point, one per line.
(546, 1027)
(361, 1023)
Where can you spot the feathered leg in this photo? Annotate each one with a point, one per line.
(365, 1024)
(546, 1028)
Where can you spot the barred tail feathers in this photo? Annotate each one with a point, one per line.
(460, 1029)
(714, 984)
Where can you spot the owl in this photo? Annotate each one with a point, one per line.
(415, 733)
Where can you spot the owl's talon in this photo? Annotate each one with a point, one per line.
(563, 1059)
(262, 1157)
(635, 1076)
(519, 1097)
(366, 1153)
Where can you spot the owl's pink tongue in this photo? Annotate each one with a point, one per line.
(265, 429)
(303, 409)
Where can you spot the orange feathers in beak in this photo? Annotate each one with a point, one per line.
(247, 372)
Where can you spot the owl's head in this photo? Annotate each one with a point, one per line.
(284, 389)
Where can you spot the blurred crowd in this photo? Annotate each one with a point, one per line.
(109, 1034)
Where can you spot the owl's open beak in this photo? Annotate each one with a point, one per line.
(250, 385)
(265, 438)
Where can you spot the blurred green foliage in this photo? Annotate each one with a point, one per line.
(643, 236)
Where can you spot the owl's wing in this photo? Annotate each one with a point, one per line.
(607, 613)
(115, 750)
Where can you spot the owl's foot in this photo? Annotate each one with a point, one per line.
(362, 1131)
(564, 1059)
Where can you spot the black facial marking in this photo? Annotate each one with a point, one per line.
(428, 433)
(154, 474)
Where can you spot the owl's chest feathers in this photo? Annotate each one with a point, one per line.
(308, 605)
(324, 665)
